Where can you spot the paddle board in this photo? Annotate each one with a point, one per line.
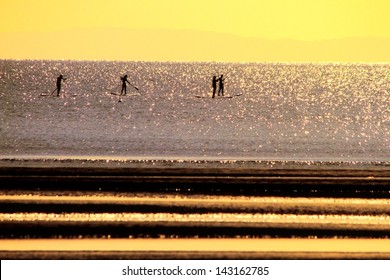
(225, 96)
(129, 94)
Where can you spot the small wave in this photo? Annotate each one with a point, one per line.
(187, 162)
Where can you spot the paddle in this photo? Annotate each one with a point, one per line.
(133, 85)
(53, 91)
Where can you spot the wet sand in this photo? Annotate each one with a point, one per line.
(280, 179)
(28, 240)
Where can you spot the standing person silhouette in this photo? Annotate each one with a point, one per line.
(214, 83)
(124, 86)
(221, 85)
(59, 81)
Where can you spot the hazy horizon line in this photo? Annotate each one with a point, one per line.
(196, 61)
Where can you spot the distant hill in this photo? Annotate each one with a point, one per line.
(185, 45)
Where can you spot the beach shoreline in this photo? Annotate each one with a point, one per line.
(185, 162)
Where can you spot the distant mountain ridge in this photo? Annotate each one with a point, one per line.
(185, 45)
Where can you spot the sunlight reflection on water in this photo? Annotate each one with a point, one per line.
(284, 111)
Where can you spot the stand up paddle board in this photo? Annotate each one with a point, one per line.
(224, 96)
(129, 94)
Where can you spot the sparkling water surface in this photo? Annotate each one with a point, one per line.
(322, 112)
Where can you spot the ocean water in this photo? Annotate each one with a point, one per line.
(302, 112)
(284, 116)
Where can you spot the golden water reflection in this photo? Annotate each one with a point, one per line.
(211, 245)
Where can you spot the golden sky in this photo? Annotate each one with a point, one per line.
(27, 27)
